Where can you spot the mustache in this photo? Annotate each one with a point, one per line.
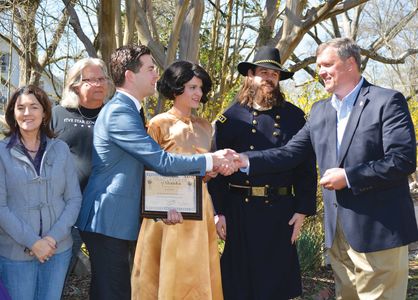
(268, 82)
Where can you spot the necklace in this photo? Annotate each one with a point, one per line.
(88, 118)
(31, 151)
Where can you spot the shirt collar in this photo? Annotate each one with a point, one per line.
(136, 101)
(348, 100)
(15, 141)
(259, 107)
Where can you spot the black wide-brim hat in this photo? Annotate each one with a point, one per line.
(266, 57)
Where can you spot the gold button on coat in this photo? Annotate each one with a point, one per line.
(252, 147)
(255, 113)
(275, 133)
(255, 122)
(253, 130)
(276, 125)
(246, 200)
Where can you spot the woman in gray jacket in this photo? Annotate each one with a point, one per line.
(39, 200)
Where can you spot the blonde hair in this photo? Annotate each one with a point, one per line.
(70, 96)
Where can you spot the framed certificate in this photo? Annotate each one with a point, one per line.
(162, 193)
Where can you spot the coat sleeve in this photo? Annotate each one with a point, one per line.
(399, 148)
(305, 187)
(284, 158)
(305, 182)
(127, 132)
(218, 186)
(72, 198)
(14, 226)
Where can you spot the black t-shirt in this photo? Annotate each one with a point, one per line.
(75, 127)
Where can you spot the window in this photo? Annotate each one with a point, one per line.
(4, 62)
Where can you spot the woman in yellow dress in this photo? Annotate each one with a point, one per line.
(176, 258)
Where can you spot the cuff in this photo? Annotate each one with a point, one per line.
(209, 162)
(346, 179)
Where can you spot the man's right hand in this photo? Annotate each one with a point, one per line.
(224, 161)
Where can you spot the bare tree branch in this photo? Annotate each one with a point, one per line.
(145, 36)
(75, 24)
(181, 12)
(55, 40)
(354, 22)
(8, 41)
(217, 8)
(301, 64)
(390, 34)
(335, 26)
(386, 60)
(304, 64)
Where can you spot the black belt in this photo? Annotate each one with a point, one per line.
(262, 191)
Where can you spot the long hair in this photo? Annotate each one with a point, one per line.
(248, 93)
(43, 99)
(70, 97)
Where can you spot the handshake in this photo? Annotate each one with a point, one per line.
(227, 161)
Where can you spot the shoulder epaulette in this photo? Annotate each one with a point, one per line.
(221, 118)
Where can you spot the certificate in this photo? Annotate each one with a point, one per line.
(162, 193)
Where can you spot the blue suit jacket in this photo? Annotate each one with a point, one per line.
(378, 152)
(121, 149)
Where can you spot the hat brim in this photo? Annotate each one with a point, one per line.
(244, 66)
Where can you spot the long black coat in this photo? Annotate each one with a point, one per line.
(259, 261)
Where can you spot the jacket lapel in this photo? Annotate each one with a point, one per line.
(353, 121)
(331, 127)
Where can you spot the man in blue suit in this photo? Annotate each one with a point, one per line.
(109, 216)
(364, 142)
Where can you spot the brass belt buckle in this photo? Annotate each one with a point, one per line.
(258, 191)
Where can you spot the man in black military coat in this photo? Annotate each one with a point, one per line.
(260, 216)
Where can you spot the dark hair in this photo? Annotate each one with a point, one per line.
(126, 58)
(171, 83)
(346, 48)
(42, 98)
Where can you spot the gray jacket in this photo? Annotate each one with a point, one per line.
(25, 197)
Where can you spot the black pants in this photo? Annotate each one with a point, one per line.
(110, 270)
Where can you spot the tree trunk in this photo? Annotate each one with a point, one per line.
(267, 22)
(129, 22)
(190, 31)
(107, 41)
(224, 68)
(118, 24)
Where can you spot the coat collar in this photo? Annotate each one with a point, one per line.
(129, 99)
(331, 126)
(352, 125)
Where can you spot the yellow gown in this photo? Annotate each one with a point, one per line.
(179, 261)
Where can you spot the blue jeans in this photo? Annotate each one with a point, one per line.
(32, 280)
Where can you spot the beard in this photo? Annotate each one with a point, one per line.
(267, 94)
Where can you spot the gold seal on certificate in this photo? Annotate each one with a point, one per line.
(162, 193)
